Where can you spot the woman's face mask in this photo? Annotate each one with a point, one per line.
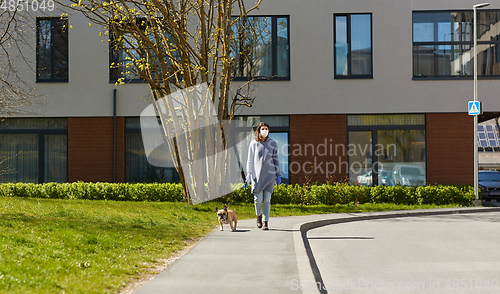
(264, 132)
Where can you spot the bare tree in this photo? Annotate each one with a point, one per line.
(16, 94)
(175, 45)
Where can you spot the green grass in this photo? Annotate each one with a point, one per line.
(88, 246)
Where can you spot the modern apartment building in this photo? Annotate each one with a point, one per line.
(363, 91)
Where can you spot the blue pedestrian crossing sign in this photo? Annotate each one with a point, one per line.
(475, 108)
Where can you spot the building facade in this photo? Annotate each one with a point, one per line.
(370, 92)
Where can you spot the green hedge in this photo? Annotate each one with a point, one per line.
(337, 193)
(340, 193)
(95, 191)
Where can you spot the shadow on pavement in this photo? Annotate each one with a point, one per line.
(341, 238)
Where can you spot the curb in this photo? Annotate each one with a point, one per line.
(307, 267)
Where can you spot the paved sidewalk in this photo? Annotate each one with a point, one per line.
(254, 261)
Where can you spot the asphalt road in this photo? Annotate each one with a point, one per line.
(421, 254)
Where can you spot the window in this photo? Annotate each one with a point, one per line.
(353, 46)
(387, 149)
(122, 54)
(52, 49)
(34, 150)
(120, 61)
(443, 44)
(137, 167)
(261, 48)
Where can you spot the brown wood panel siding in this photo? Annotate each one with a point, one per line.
(318, 148)
(450, 148)
(90, 149)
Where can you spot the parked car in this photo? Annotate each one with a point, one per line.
(408, 175)
(365, 179)
(489, 183)
(385, 178)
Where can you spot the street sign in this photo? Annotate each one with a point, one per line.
(475, 108)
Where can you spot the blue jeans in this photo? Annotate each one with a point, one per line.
(263, 197)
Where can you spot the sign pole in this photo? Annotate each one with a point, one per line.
(477, 201)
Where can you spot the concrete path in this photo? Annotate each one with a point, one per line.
(254, 261)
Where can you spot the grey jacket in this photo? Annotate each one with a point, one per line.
(263, 165)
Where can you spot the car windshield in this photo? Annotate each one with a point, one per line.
(411, 171)
(489, 176)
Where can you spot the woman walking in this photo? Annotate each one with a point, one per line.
(263, 170)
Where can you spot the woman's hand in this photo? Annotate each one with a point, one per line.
(278, 180)
(249, 176)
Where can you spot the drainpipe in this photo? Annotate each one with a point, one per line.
(114, 136)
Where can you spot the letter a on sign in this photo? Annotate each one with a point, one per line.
(475, 108)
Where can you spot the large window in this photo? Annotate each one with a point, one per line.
(443, 44)
(137, 167)
(387, 149)
(52, 49)
(353, 46)
(261, 48)
(34, 150)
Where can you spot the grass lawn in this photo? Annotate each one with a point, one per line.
(84, 246)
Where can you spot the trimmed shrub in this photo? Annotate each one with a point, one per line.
(328, 194)
(171, 192)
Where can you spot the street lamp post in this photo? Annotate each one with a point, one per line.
(477, 202)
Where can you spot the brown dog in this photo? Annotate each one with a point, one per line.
(226, 216)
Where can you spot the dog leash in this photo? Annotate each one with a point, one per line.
(242, 173)
(231, 202)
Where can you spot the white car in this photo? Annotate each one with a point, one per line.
(365, 179)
